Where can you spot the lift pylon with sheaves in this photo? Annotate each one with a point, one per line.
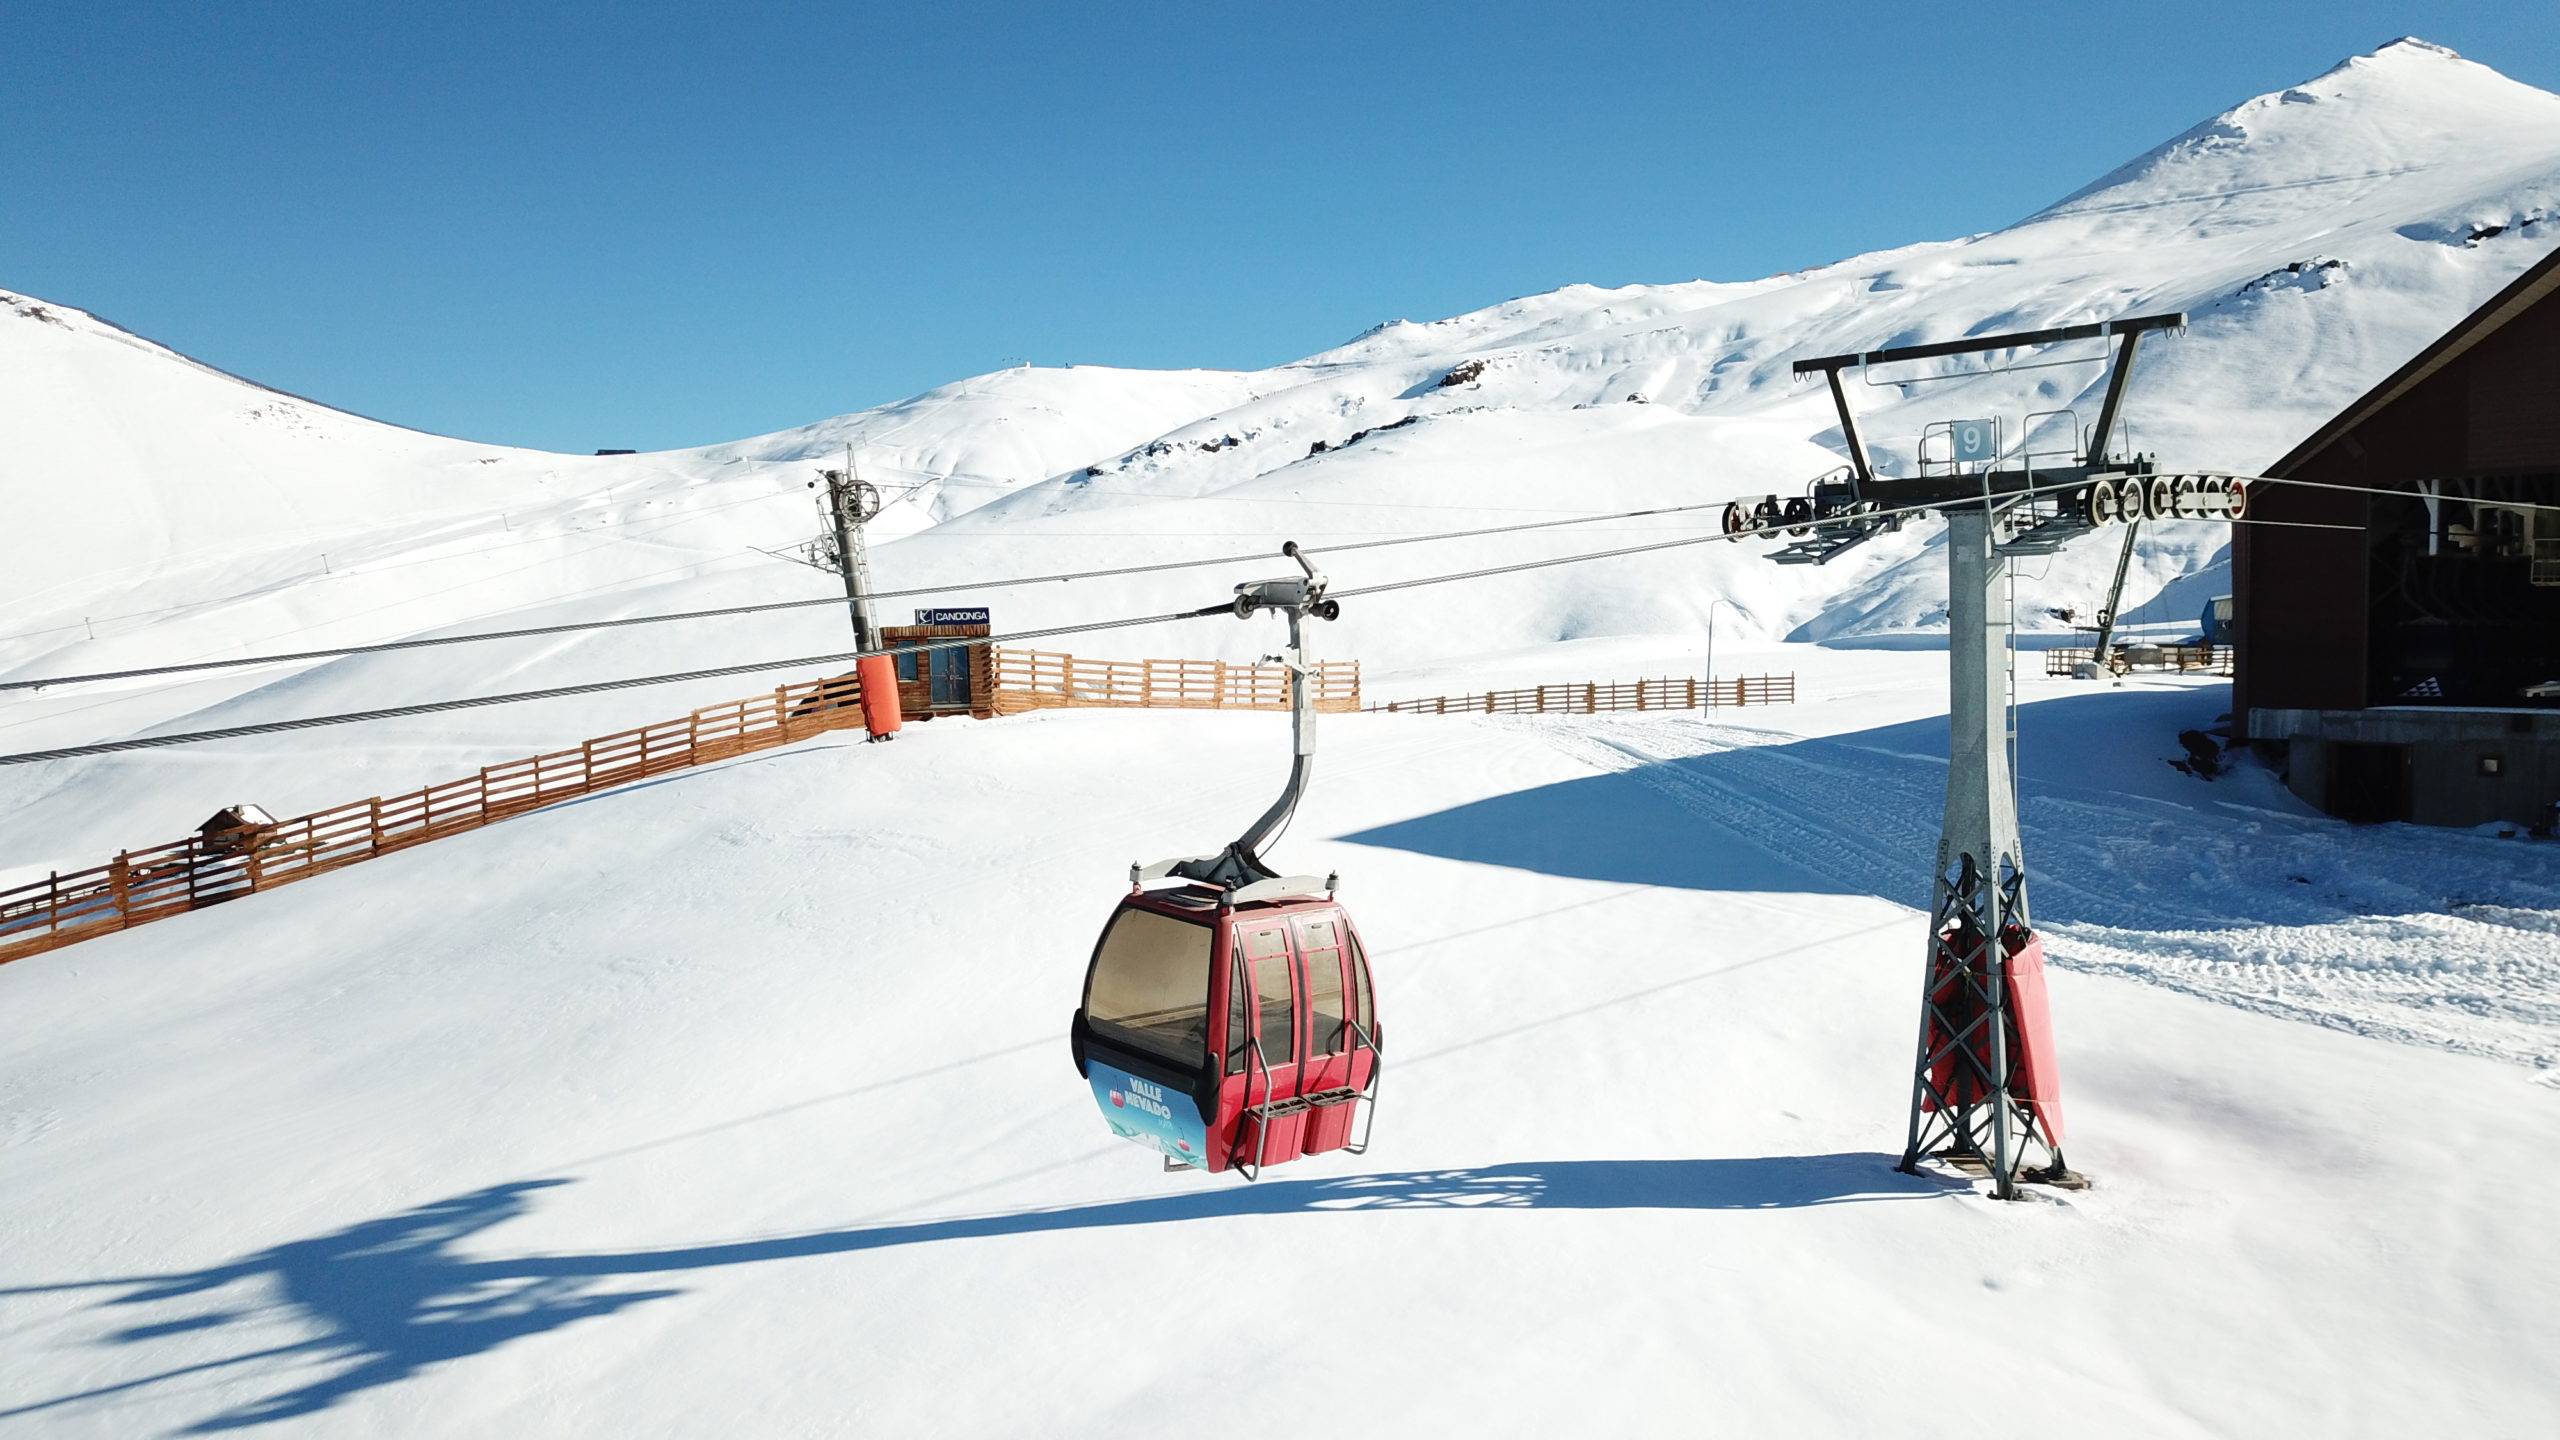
(1985, 1086)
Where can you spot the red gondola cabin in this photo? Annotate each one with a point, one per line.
(1229, 1037)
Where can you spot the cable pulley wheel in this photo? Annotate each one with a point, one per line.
(2102, 503)
(1799, 515)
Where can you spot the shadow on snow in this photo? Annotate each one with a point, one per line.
(1853, 814)
(392, 1296)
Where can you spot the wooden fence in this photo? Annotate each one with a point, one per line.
(1042, 680)
(1675, 693)
(139, 886)
(2211, 659)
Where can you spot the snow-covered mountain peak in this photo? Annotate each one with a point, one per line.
(2331, 142)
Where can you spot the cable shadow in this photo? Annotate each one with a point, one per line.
(388, 1298)
(795, 750)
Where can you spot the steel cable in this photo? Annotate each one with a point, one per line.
(1091, 627)
(290, 657)
(282, 658)
(271, 727)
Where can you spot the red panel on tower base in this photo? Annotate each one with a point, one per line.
(2038, 1073)
(2035, 1072)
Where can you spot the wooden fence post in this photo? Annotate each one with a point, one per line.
(120, 887)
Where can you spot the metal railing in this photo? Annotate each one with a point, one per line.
(1671, 693)
(2207, 659)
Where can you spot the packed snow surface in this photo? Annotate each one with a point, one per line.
(740, 1100)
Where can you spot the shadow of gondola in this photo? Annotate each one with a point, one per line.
(387, 1298)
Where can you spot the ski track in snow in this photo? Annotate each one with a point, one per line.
(2421, 936)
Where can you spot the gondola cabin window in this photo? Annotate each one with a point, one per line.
(1320, 950)
(1150, 986)
(1360, 991)
(1267, 947)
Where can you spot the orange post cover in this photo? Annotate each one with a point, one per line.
(879, 694)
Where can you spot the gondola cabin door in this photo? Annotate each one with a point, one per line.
(1341, 1028)
(1261, 1091)
(1301, 1043)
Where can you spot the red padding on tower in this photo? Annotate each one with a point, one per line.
(2035, 1071)
(2038, 1073)
(880, 695)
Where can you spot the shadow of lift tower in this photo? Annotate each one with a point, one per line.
(1985, 1085)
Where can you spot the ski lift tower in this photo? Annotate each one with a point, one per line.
(1984, 1083)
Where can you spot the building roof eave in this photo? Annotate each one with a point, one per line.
(2539, 282)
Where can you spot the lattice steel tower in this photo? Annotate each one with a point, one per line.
(1985, 1091)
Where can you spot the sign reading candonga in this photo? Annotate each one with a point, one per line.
(953, 617)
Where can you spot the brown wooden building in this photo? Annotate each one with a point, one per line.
(956, 680)
(2406, 665)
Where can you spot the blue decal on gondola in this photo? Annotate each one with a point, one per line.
(1156, 1116)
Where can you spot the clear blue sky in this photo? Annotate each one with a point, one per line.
(653, 225)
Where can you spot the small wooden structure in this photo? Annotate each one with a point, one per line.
(956, 680)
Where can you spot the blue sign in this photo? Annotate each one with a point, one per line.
(1976, 440)
(1159, 1117)
(952, 617)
